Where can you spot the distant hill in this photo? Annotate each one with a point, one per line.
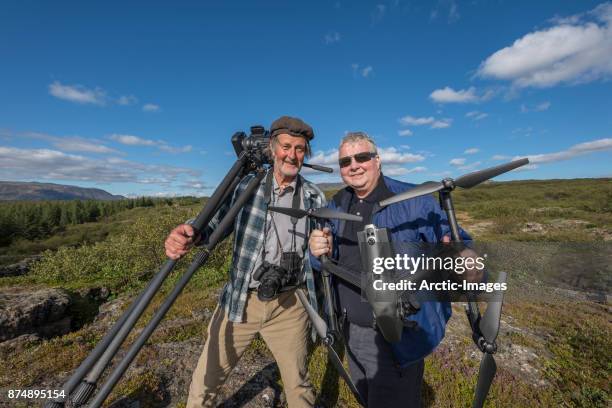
(32, 191)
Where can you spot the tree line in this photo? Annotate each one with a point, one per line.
(40, 219)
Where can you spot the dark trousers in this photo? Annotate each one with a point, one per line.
(378, 377)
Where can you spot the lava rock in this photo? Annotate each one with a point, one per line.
(33, 311)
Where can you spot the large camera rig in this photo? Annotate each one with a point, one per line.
(256, 145)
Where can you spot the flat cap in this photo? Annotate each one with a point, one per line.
(292, 126)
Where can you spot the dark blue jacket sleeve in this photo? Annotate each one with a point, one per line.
(331, 224)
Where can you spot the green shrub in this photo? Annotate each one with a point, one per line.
(121, 262)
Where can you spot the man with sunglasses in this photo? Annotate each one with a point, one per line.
(386, 375)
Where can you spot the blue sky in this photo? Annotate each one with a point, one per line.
(142, 98)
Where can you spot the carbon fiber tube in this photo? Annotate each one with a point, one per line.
(86, 365)
(220, 193)
(201, 257)
(106, 349)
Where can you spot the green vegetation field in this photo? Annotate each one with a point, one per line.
(569, 337)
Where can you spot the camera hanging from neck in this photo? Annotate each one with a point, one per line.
(290, 260)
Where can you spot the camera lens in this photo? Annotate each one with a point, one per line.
(267, 290)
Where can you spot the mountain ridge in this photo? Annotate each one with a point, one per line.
(36, 191)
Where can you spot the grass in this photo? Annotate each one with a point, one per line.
(578, 337)
(512, 204)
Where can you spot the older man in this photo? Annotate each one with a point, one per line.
(263, 242)
(386, 375)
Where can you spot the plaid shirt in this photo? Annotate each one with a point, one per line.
(248, 240)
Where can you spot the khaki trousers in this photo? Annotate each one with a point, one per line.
(283, 325)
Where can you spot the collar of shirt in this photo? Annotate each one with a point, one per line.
(287, 189)
(380, 192)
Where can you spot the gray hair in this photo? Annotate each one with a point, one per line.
(356, 137)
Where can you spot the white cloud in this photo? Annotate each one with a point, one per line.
(472, 150)
(365, 72)
(73, 143)
(410, 120)
(449, 95)
(151, 107)
(405, 132)
(453, 12)
(418, 169)
(537, 108)
(401, 171)
(47, 164)
(441, 124)
(170, 149)
(527, 167)
(194, 185)
(430, 120)
(542, 106)
(359, 71)
(476, 115)
(499, 157)
(76, 144)
(127, 100)
(457, 162)
(96, 96)
(527, 131)
(132, 140)
(574, 151)
(78, 93)
(575, 50)
(332, 37)
(327, 159)
(471, 166)
(390, 155)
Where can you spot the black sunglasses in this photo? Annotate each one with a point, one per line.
(359, 158)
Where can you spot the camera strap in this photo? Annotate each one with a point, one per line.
(295, 205)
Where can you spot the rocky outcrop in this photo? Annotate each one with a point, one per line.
(33, 311)
(20, 268)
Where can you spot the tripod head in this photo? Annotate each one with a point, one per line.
(256, 148)
(255, 145)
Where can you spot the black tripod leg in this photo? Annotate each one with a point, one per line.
(329, 300)
(201, 258)
(95, 364)
(220, 194)
(327, 293)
